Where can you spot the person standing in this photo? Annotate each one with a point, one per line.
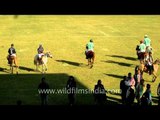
(123, 88)
(158, 93)
(99, 93)
(146, 99)
(71, 89)
(42, 88)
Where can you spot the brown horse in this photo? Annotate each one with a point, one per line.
(90, 55)
(11, 61)
(143, 68)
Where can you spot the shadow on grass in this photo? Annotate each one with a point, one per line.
(113, 75)
(70, 62)
(119, 63)
(24, 87)
(155, 99)
(5, 70)
(26, 68)
(111, 100)
(125, 57)
(148, 81)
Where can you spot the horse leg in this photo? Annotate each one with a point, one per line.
(11, 66)
(92, 61)
(45, 67)
(93, 57)
(88, 61)
(91, 65)
(37, 67)
(16, 70)
(15, 62)
(154, 77)
(42, 68)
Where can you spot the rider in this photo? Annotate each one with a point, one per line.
(12, 53)
(86, 51)
(90, 45)
(142, 49)
(149, 63)
(40, 51)
(147, 42)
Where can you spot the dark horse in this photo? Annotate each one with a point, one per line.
(11, 61)
(90, 55)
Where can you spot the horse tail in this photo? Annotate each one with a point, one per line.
(35, 59)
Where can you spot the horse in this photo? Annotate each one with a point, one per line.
(90, 55)
(11, 61)
(154, 71)
(43, 62)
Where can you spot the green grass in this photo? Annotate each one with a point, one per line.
(115, 38)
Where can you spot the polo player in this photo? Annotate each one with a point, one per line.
(89, 49)
(40, 51)
(12, 55)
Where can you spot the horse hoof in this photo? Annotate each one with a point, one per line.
(153, 80)
(91, 66)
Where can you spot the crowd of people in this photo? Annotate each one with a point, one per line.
(99, 92)
(133, 86)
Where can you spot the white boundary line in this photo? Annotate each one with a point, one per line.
(106, 35)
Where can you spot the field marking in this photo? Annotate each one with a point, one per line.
(101, 36)
(22, 50)
(103, 32)
(105, 49)
(107, 35)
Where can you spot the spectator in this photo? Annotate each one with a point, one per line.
(140, 89)
(71, 88)
(42, 88)
(123, 88)
(99, 93)
(146, 99)
(158, 93)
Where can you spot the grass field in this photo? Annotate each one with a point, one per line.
(65, 36)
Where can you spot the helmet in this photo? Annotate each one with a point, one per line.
(145, 36)
(141, 41)
(91, 40)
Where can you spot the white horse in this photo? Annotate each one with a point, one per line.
(44, 61)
